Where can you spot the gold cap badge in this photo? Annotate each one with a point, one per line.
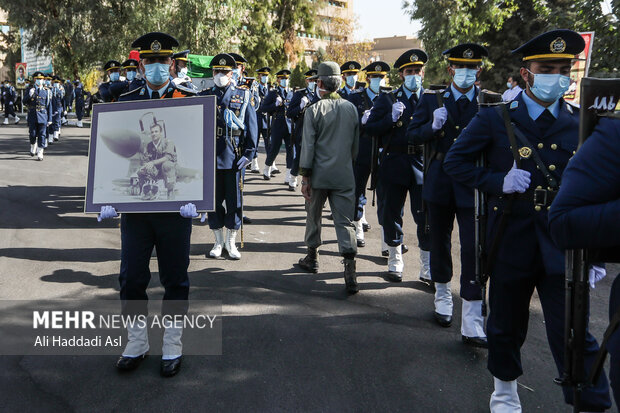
(558, 45)
(156, 46)
(468, 54)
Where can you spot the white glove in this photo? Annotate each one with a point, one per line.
(49, 123)
(365, 117)
(397, 110)
(304, 102)
(279, 101)
(106, 211)
(516, 180)
(188, 211)
(31, 92)
(440, 116)
(596, 274)
(203, 217)
(243, 162)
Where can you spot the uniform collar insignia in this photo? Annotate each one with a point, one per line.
(400, 94)
(446, 95)
(514, 104)
(142, 91)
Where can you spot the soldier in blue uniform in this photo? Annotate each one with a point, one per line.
(296, 109)
(401, 167)
(169, 233)
(349, 71)
(69, 95)
(364, 101)
(39, 101)
(58, 98)
(130, 70)
(527, 144)
(78, 91)
(236, 135)
(275, 105)
(9, 97)
(584, 214)
(263, 89)
(438, 121)
(181, 70)
(111, 90)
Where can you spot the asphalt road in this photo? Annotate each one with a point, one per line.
(291, 341)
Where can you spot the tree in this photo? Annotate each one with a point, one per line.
(340, 48)
(445, 23)
(298, 78)
(269, 36)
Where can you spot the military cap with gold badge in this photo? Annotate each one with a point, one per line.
(284, 73)
(112, 65)
(412, 57)
(377, 68)
(264, 70)
(350, 67)
(182, 56)
(155, 44)
(239, 60)
(223, 61)
(553, 45)
(130, 64)
(466, 53)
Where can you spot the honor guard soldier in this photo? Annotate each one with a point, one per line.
(527, 144)
(111, 90)
(262, 118)
(130, 69)
(437, 122)
(58, 97)
(168, 232)
(78, 90)
(181, 70)
(9, 97)
(401, 167)
(585, 215)
(69, 95)
(349, 71)
(39, 101)
(275, 105)
(364, 101)
(236, 134)
(296, 109)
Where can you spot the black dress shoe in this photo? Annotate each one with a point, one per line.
(170, 367)
(443, 320)
(428, 282)
(480, 342)
(129, 363)
(361, 243)
(246, 220)
(366, 227)
(275, 172)
(404, 248)
(266, 178)
(394, 276)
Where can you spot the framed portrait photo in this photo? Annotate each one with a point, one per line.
(152, 155)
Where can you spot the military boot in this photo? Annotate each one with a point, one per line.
(350, 277)
(310, 262)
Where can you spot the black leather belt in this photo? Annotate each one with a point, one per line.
(405, 149)
(219, 132)
(539, 197)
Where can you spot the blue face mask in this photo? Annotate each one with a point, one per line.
(48, 83)
(114, 76)
(39, 82)
(264, 79)
(465, 78)
(284, 83)
(311, 86)
(549, 87)
(375, 84)
(351, 81)
(236, 74)
(157, 73)
(413, 82)
(130, 75)
(509, 85)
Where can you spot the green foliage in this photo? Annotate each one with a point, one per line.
(298, 79)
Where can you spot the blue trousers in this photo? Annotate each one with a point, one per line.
(510, 292)
(262, 133)
(226, 191)
(38, 134)
(170, 234)
(296, 156)
(362, 173)
(9, 110)
(79, 110)
(613, 345)
(441, 220)
(274, 149)
(394, 199)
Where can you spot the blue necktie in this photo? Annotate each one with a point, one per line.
(545, 121)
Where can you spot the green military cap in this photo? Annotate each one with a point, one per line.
(329, 69)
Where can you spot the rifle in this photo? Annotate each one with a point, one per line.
(486, 98)
(598, 97)
(375, 154)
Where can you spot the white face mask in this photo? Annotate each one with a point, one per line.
(182, 73)
(221, 80)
